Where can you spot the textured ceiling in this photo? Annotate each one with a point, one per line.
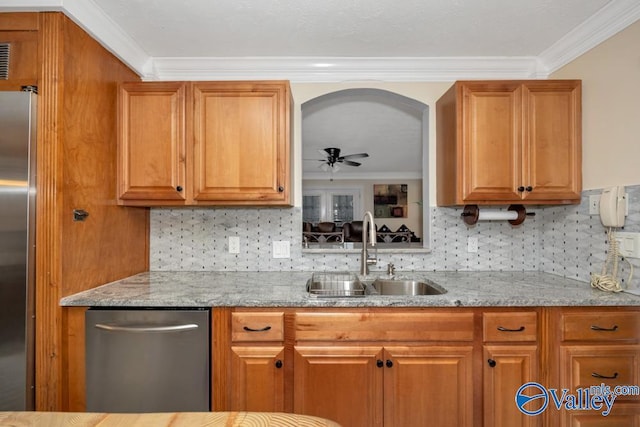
(353, 28)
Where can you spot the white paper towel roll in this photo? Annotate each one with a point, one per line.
(494, 215)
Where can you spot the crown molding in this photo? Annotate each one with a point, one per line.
(338, 69)
(611, 19)
(608, 21)
(94, 21)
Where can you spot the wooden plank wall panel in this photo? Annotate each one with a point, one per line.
(112, 242)
(76, 169)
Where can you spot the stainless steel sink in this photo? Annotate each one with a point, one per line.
(405, 287)
(329, 285)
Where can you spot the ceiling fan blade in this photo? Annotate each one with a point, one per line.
(350, 163)
(355, 156)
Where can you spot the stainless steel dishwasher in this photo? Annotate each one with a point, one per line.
(148, 360)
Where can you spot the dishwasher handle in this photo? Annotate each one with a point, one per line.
(167, 328)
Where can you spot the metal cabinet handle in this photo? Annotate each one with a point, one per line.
(503, 329)
(389, 363)
(599, 328)
(605, 377)
(529, 189)
(266, 328)
(179, 188)
(520, 189)
(491, 363)
(278, 363)
(379, 363)
(168, 328)
(280, 189)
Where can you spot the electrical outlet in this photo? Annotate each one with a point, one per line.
(234, 244)
(594, 204)
(281, 249)
(472, 244)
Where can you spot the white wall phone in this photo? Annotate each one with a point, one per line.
(613, 204)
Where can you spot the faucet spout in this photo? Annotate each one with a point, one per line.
(370, 237)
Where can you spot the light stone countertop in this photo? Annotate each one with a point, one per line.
(288, 289)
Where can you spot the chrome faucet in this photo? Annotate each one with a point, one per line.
(365, 259)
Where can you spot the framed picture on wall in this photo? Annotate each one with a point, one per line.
(390, 200)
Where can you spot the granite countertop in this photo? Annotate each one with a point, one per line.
(288, 289)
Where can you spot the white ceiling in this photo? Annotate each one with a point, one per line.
(329, 40)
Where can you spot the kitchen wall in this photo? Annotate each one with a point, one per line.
(610, 74)
(562, 240)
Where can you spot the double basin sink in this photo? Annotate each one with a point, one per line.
(349, 285)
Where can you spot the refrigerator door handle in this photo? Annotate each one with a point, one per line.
(168, 328)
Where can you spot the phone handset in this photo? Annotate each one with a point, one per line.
(613, 206)
(612, 212)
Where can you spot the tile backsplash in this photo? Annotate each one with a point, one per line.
(563, 240)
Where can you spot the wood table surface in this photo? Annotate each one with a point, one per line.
(167, 419)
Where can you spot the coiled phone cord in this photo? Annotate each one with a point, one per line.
(606, 281)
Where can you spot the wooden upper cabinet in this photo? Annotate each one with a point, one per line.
(503, 142)
(151, 145)
(241, 141)
(205, 143)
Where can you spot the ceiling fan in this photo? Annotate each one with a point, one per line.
(333, 158)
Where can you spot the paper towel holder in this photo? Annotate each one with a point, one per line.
(471, 214)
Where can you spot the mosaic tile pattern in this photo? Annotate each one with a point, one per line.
(565, 241)
(574, 243)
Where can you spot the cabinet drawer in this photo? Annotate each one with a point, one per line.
(586, 366)
(257, 326)
(601, 326)
(512, 326)
(384, 326)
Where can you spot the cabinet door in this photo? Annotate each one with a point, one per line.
(506, 368)
(241, 142)
(151, 143)
(428, 386)
(343, 384)
(491, 123)
(552, 140)
(258, 378)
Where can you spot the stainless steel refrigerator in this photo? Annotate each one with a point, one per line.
(17, 250)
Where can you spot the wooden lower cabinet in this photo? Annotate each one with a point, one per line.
(510, 359)
(391, 386)
(258, 378)
(428, 385)
(341, 383)
(595, 347)
(416, 367)
(506, 368)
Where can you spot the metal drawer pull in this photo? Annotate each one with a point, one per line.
(606, 377)
(599, 328)
(266, 328)
(503, 329)
(168, 328)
